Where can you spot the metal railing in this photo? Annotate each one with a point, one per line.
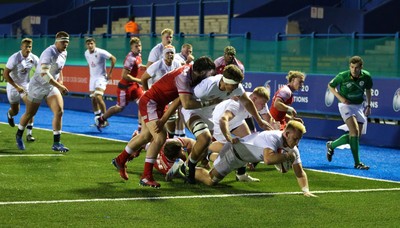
(310, 53)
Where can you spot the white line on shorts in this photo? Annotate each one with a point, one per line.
(194, 196)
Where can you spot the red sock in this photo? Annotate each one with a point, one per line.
(123, 157)
(148, 170)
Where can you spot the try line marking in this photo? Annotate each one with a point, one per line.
(194, 196)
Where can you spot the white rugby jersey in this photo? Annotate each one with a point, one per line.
(208, 89)
(20, 66)
(182, 59)
(51, 56)
(97, 62)
(238, 110)
(156, 53)
(253, 145)
(159, 69)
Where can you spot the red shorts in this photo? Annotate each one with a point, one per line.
(131, 93)
(149, 109)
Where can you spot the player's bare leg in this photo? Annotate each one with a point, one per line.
(151, 154)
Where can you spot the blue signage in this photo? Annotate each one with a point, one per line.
(315, 98)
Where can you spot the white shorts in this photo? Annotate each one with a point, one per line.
(346, 111)
(174, 115)
(37, 92)
(217, 134)
(13, 95)
(204, 115)
(98, 82)
(227, 160)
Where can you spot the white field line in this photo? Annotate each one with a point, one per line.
(349, 175)
(193, 196)
(31, 155)
(89, 136)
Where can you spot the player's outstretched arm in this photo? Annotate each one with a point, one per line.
(302, 180)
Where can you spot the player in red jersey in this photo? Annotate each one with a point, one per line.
(173, 151)
(227, 59)
(129, 88)
(280, 108)
(175, 86)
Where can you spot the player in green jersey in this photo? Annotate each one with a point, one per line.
(352, 85)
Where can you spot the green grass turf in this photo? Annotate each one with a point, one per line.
(85, 173)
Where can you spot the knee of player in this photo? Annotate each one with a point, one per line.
(118, 108)
(59, 112)
(14, 111)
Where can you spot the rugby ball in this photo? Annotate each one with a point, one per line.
(284, 166)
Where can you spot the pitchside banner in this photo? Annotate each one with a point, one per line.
(315, 97)
(76, 79)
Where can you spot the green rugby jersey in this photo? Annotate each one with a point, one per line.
(352, 89)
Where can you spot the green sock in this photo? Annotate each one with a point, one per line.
(354, 145)
(344, 139)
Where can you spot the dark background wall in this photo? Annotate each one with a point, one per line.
(263, 19)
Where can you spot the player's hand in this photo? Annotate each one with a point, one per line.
(159, 125)
(63, 89)
(235, 140)
(275, 125)
(109, 76)
(291, 111)
(265, 125)
(309, 194)
(189, 59)
(20, 89)
(345, 101)
(291, 156)
(298, 119)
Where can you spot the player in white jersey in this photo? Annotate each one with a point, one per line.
(199, 120)
(230, 125)
(159, 68)
(97, 58)
(155, 71)
(156, 52)
(185, 56)
(272, 147)
(47, 84)
(229, 116)
(16, 73)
